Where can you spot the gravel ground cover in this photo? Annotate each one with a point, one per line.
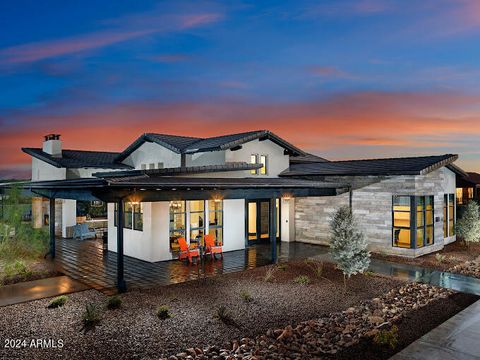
(135, 331)
(469, 268)
(329, 335)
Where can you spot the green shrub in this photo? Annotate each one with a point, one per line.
(369, 273)
(315, 266)
(224, 315)
(18, 240)
(302, 280)
(440, 258)
(387, 337)
(269, 274)
(163, 312)
(114, 302)
(283, 267)
(18, 267)
(245, 295)
(91, 317)
(58, 302)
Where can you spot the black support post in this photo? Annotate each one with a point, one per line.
(121, 285)
(52, 227)
(273, 228)
(350, 198)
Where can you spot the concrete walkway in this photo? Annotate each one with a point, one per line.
(458, 338)
(38, 289)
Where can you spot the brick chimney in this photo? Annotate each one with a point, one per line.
(53, 145)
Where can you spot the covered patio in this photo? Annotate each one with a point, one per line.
(88, 262)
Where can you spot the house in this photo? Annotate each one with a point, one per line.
(245, 189)
(468, 187)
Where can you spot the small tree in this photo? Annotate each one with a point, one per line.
(468, 227)
(348, 244)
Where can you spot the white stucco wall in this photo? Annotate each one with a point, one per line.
(205, 158)
(276, 163)
(287, 220)
(153, 243)
(233, 224)
(43, 171)
(153, 153)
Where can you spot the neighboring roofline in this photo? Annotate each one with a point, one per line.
(232, 166)
(443, 163)
(457, 170)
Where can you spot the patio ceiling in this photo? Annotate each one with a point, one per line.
(161, 188)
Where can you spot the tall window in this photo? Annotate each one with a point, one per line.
(263, 161)
(215, 220)
(253, 160)
(177, 223)
(132, 216)
(401, 221)
(259, 159)
(413, 218)
(197, 225)
(449, 215)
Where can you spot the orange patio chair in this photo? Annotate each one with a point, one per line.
(186, 252)
(211, 248)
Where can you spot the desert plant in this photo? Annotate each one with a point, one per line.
(440, 257)
(57, 302)
(19, 240)
(269, 274)
(114, 302)
(18, 267)
(468, 227)
(224, 315)
(387, 337)
(369, 273)
(246, 296)
(348, 244)
(282, 267)
(315, 266)
(163, 312)
(302, 280)
(91, 317)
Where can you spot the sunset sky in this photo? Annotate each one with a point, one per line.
(341, 79)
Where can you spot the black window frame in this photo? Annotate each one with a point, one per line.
(131, 215)
(179, 230)
(218, 214)
(414, 227)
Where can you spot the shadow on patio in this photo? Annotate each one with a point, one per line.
(86, 261)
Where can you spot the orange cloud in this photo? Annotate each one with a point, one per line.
(355, 125)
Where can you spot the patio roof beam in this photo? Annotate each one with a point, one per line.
(151, 195)
(121, 284)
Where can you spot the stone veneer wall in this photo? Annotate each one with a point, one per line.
(372, 205)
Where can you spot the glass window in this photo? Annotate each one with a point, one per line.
(253, 160)
(451, 214)
(215, 220)
(401, 221)
(177, 223)
(459, 192)
(263, 161)
(470, 193)
(115, 214)
(445, 216)
(143, 166)
(197, 225)
(160, 165)
(127, 215)
(138, 216)
(418, 221)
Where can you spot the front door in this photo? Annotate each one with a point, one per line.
(258, 221)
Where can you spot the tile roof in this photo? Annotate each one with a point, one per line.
(229, 166)
(190, 145)
(392, 166)
(79, 159)
(307, 158)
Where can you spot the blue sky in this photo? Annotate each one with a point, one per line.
(342, 79)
